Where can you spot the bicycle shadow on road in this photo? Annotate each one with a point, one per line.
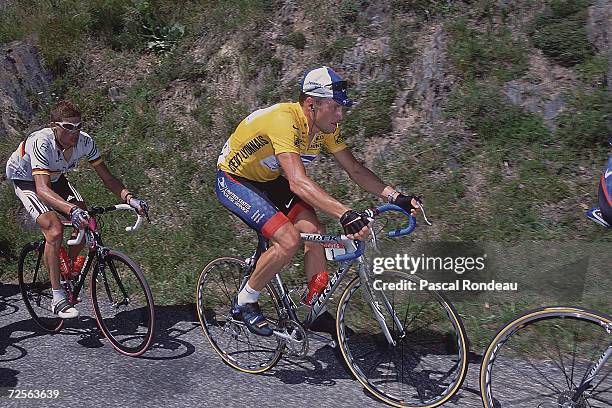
(327, 365)
(10, 350)
(172, 323)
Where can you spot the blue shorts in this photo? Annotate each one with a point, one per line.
(263, 206)
(605, 201)
(605, 192)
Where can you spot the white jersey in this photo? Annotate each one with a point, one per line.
(40, 154)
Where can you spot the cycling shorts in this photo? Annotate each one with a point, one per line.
(605, 202)
(26, 191)
(264, 206)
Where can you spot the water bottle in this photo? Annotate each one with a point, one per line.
(77, 265)
(317, 285)
(65, 267)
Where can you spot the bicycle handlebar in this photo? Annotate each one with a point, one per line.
(352, 255)
(394, 234)
(403, 231)
(101, 210)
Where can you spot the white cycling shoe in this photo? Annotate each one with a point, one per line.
(65, 310)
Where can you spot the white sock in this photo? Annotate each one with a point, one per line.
(248, 295)
(58, 295)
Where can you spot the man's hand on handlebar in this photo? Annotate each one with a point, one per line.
(355, 225)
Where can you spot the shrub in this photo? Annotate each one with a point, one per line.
(560, 32)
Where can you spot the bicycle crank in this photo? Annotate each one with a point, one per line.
(293, 336)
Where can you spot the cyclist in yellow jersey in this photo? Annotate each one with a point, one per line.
(261, 178)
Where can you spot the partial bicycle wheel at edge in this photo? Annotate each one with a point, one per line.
(540, 358)
(428, 363)
(123, 304)
(36, 288)
(218, 284)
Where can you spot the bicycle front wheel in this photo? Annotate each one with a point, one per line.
(219, 283)
(36, 288)
(406, 346)
(123, 303)
(541, 358)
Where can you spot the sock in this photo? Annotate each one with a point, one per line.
(58, 295)
(248, 295)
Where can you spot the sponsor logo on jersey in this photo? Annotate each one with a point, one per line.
(247, 151)
(297, 138)
(257, 216)
(339, 138)
(271, 162)
(232, 197)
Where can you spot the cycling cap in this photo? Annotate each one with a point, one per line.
(325, 83)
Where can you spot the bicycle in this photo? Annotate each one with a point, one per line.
(120, 295)
(407, 348)
(554, 356)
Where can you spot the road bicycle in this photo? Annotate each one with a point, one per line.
(408, 348)
(550, 357)
(120, 295)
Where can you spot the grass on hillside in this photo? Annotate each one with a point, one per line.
(495, 180)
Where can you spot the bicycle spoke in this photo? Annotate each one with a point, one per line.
(218, 285)
(548, 349)
(561, 366)
(418, 369)
(123, 304)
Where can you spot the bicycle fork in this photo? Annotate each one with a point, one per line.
(586, 382)
(376, 307)
(113, 270)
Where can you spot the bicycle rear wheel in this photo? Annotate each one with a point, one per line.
(540, 359)
(36, 287)
(425, 364)
(123, 303)
(219, 283)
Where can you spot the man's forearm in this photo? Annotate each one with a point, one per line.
(53, 200)
(116, 187)
(372, 183)
(314, 195)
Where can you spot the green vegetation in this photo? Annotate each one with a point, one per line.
(587, 123)
(335, 50)
(493, 118)
(491, 54)
(296, 39)
(492, 172)
(401, 42)
(560, 32)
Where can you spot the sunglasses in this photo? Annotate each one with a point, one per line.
(71, 127)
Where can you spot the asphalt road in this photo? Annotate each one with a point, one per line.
(180, 370)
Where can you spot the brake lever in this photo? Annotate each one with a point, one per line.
(420, 205)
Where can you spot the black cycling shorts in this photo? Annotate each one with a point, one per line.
(26, 191)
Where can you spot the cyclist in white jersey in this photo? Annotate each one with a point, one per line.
(37, 170)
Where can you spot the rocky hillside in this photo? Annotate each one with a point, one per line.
(496, 111)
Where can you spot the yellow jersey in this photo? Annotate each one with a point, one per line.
(251, 150)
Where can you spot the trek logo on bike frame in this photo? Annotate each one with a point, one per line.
(332, 240)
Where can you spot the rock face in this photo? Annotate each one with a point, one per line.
(599, 30)
(24, 85)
